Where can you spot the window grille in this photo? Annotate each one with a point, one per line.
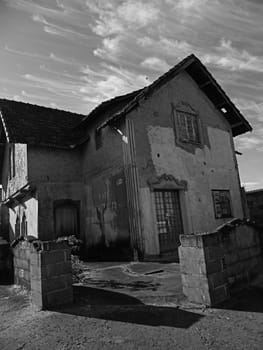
(188, 127)
(169, 222)
(222, 203)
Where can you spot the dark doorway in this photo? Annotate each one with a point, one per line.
(66, 219)
(169, 220)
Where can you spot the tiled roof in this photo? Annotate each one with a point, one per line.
(32, 124)
(109, 107)
(120, 106)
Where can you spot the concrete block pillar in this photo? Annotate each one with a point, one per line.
(202, 267)
(51, 275)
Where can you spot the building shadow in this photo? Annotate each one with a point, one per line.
(7, 276)
(132, 286)
(113, 306)
(249, 299)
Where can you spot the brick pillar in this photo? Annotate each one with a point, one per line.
(202, 267)
(51, 275)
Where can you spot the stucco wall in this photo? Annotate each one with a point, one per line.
(211, 165)
(11, 185)
(106, 226)
(29, 207)
(57, 175)
(47, 194)
(52, 164)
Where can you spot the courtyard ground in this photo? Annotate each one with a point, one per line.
(131, 306)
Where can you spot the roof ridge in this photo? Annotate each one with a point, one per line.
(40, 106)
(187, 63)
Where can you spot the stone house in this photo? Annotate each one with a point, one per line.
(131, 176)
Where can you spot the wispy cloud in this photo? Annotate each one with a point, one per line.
(155, 63)
(138, 13)
(251, 108)
(60, 86)
(118, 22)
(231, 58)
(51, 57)
(30, 6)
(112, 81)
(23, 53)
(55, 29)
(110, 49)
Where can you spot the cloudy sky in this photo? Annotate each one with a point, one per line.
(73, 54)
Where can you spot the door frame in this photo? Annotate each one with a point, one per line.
(169, 183)
(176, 194)
(74, 203)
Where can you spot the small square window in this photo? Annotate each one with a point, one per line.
(188, 127)
(222, 204)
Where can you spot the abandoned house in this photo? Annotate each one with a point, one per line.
(131, 176)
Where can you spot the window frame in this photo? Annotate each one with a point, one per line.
(60, 203)
(229, 214)
(195, 127)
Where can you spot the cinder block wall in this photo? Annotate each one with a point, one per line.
(45, 269)
(215, 264)
(51, 276)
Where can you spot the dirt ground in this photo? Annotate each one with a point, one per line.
(131, 306)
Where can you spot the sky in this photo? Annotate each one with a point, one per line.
(74, 54)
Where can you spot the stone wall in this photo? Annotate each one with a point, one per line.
(45, 269)
(213, 265)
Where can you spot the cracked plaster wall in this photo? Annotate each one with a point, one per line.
(211, 165)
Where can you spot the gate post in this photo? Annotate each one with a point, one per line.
(204, 277)
(51, 274)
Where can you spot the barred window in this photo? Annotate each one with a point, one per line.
(222, 203)
(188, 127)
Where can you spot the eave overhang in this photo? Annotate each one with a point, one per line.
(218, 97)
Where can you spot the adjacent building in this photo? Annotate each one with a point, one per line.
(255, 206)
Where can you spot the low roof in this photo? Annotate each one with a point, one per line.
(121, 105)
(256, 191)
(38, 125)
